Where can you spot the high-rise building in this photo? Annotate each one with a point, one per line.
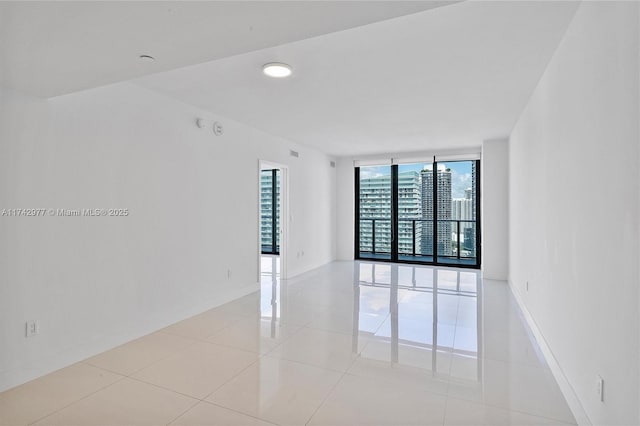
(462, 211)
(443, 243)
(470, 233)
(375, 212)
(269, 201)
(409, 212)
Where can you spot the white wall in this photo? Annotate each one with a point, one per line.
(573, 208)
(494, 193)
(345, 205)
(95, 282)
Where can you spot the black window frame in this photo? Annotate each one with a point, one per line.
(394, 255)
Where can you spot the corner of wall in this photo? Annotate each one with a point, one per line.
(345, 202)
(494, 178)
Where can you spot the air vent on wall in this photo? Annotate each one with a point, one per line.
(294, 153)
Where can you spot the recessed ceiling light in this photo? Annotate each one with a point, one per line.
(276, 69)
(147, 58)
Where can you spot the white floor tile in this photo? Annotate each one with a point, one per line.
(465, 413)
(255, 335)
(207, 414)
(27, 403)
(384, 372)
(127, 402)
(334, 351)
(280, 391)
(294, 314)
(345, 321)
(362, 401)
(140, 353)
(204, 325)
(198, 370)
(514, 387)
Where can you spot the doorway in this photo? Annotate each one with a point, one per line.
(270, 211)
(272, 230)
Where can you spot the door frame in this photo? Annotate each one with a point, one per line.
(275, 194)
(284, 215)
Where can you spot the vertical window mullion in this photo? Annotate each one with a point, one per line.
(356, 225)
(435, 211)
(477, 218)
(274, 230)
(394, 212)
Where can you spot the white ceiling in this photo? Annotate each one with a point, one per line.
(439, 79)
(55, 47)
(369, 76)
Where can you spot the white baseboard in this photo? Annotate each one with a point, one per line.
(295, 272)
(565, 386)
(494, 278)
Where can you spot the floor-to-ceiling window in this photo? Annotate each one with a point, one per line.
(270, 211)
(425, 212)
(457, 209)
(375, 212)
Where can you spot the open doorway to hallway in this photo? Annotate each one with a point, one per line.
(272, 230)
(270, 211)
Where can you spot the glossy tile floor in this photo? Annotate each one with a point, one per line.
(351, 343)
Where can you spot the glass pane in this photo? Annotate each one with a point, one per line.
(450, 231)
(269, 222)
(412, 222)
(457, 212)
(276, 225)
(375, 212)
(266, 224)
(426, 240)
(444, 243)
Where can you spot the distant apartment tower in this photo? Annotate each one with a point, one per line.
(462, 211)
(409, 212)
(375, 212)
(473, 189)
(443, 243)
(269, 204)
(470, 233)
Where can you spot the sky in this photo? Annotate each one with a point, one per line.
(460, 174)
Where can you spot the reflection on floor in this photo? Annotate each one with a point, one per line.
(270, 265)
(350, 343)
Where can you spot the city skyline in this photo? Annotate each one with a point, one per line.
(415, 209)
(461, 178)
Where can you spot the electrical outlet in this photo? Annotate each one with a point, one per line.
(600, 388)
(32, 328)
(228, 274)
